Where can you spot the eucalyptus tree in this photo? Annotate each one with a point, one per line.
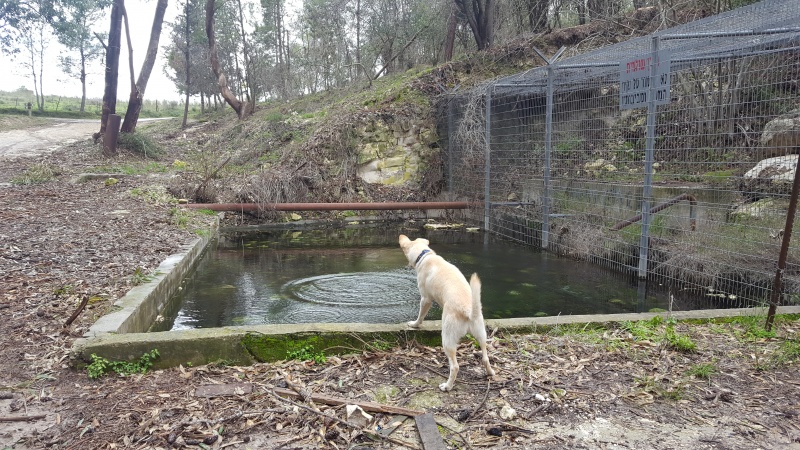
(112, 70)
(138, 88)
(243, 109)
(19, 17)
(187, 52)
(325, 57)
(77, 34)
(271, 38)
(35, 41)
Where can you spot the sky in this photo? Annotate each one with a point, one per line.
(140, 17)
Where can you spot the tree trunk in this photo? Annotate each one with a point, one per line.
(537, 15)
(250, 86)
(83, 80)
(188, 66)
(136, 98)
(242, 109)
(480, 16)
(450, 39)
(41, 66)
(112, 66)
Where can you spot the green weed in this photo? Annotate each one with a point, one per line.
(307, 353)
(180, 217)
(157, 195)
(101, 366)
(141, 277)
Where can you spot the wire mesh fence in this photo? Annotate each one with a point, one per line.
(669, 157)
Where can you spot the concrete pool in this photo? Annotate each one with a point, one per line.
(122, 334)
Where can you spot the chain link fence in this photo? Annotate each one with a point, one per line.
(669, 157)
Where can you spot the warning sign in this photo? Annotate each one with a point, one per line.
(634, 82)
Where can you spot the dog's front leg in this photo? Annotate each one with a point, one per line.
(424, 307)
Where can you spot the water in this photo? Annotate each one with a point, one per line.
(361, 275)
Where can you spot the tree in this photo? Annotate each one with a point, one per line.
(480, 17)
(75, 33)
(188, 60)
(136, 98)
(271, 36)
(18, 18)
(112, 66)
(35, 44)
(243, 109)
(187, 53)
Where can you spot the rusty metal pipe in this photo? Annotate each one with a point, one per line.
(692, 213)
(250, 207)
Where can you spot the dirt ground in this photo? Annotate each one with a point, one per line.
(613, 387)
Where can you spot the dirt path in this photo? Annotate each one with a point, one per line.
(28, 142)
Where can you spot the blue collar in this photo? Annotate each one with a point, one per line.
(421, 255)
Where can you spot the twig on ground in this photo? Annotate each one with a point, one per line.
(77, 312)
(22, 418)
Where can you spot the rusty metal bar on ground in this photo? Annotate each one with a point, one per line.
(250, 207)
(662, 206)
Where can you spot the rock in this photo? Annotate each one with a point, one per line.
(781, 136)
(508, 413)
(599, 165)
(769, 177)
(766, 207)
(357, 416)
(392, 153)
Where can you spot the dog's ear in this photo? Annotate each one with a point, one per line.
(425, 241)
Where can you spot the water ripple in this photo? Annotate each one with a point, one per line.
(355, 289)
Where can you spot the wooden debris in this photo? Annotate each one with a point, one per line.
(77, 312)
(339, 401)
(22, 418)
(429, 432)
(223, 390)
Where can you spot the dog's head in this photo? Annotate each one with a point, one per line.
(412, 249)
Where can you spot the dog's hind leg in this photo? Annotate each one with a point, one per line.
(450, 351)
(478, 331)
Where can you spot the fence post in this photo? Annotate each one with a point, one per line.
(487, 206)
(548, 147)
(647, 193)
(450, 136)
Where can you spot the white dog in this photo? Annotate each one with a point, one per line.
(442, 282)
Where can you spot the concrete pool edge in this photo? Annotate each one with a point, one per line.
(229, 345)
(136, 311)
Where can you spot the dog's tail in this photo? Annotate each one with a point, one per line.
(475, 286)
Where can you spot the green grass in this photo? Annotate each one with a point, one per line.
(69, 107)
(141, 144)
(38, 173)
(703, 371)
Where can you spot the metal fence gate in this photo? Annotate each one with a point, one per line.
(670, 157)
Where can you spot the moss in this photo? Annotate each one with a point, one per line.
(269, 348)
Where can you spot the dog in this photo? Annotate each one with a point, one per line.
(441, 282)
